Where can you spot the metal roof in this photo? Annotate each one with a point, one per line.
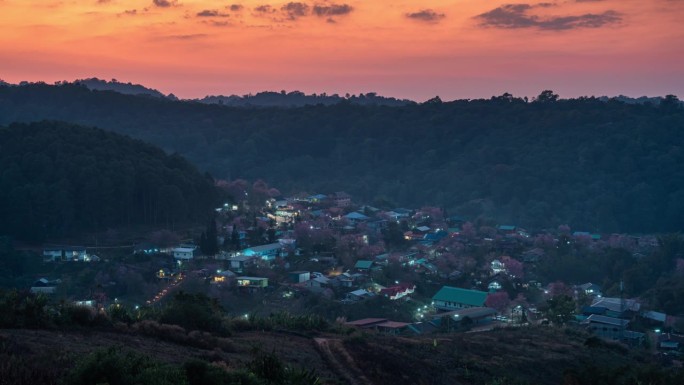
(458, 295)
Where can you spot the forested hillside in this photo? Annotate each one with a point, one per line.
(57, 178)
(596, 165)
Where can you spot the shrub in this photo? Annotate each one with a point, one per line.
(115, 366)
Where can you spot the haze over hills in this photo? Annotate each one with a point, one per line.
(597, 165)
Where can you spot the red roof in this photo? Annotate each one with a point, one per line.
(392, 325)
(367, 322)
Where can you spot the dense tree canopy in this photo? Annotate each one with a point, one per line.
(57, 178)
(597, 165)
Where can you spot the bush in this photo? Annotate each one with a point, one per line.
(176, 334)
(114, 366)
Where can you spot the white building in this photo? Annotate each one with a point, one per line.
(183, 253)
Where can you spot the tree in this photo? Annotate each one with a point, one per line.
(670, 103)
(560, 309)
(498, 301)
(514, 267)
(208, 239)
(546, 96)
(393, 236)
(235, 238)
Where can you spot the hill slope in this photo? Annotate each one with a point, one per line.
(598, 166)
(58, 178)
(505, 356)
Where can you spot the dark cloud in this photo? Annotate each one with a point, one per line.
(217, 23)
(512, 16)
(427, 15)
(295, 10)
(129, 12)
(104, 1)
(323, 10)
(235, 7)
(211, 13)
(165, 3)
(186, 37)
(264, 9)
(587, 1)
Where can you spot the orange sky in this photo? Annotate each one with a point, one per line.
(408, 49)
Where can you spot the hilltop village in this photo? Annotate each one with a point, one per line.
(402, 271)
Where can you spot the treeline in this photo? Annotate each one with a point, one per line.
(300, 99)
(603, 166)
(57, 179)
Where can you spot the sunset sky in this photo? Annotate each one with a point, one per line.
(408, 49)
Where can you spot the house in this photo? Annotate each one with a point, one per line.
(318, 198)
(436, 236)
(413, 235)
(391, 327)
(225, 277)
(402, 212)
(398, 291)
(478, 316)
(378, 224)
(317, 282)
(359, 295)
(146, 248)
(607, 327)
(453, 298)
(506, 229)
(363, 265)
(356, 217)
(589, 289)
(183, 253)
(497, 267)
(299, 276)
(670, 342)
(382, 259)
(380, 325)
(266, 252)
(65, 254)
(366, 323)
(344, 280)
(241, 262)
(616, 307)
(44, 286)
(494, 286)
(341, 199)
(252, 282)
(654, 317)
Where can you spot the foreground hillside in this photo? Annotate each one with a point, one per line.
(596, 165)
(505, 356)
(58, 178)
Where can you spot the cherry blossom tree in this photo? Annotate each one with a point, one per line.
(514, 267)
(498, 301)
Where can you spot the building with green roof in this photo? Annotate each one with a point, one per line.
(363, 264)
(452, 298)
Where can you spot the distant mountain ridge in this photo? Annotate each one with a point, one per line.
(603, 166)
(300, 99)
(283, 99)
(122, 88)
(261, 99)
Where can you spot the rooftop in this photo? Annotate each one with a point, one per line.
(607, 320)
(458, 295)
(363, 264)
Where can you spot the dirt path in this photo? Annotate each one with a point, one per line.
(340, 361)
